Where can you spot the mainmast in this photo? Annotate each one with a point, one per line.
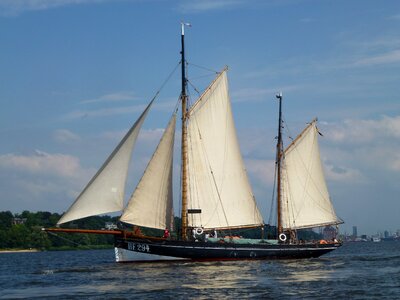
(279, 155)
(184, 150)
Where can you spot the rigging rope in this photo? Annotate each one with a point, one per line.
(204, 68)
(165, 81)
(192, 85)
(202, 76)
(198, 77)
(68, 240)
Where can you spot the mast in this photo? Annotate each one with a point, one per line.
(279, 155)
(184, 152)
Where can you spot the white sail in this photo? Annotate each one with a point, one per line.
(218, 183)
(151, 203)
(305, 197)
(105, 191)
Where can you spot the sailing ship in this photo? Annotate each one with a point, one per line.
(216, 196)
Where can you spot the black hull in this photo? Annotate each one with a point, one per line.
(202, 251)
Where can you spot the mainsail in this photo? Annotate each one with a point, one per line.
(105, 191)
(151, 203)
(218, 183)
(305, 199)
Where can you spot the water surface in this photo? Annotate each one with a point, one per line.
(356, 271)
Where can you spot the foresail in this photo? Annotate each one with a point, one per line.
(218, 183)
(151, 202)
(305, 196)
(105, 191)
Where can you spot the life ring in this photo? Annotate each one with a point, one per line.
(233, 254)
(282, 237)
(199, 231)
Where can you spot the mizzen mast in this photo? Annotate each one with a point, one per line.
(279, 156)
(184, 148)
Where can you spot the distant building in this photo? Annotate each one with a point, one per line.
(355, 231)
(329, 233)
(110, 226)
(17, 221)
(386, 234)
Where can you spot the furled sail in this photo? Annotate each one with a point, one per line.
(151, 203)
(218, 183)
(105, 191)
(305, 197)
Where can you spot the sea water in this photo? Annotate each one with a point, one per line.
(362, 270)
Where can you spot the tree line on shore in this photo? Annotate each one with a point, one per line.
(24, 231)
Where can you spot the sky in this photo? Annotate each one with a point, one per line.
(75, 75)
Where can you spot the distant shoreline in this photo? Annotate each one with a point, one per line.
(19, 250)
(62, 248)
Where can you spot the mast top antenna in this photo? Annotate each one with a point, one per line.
(183, 24)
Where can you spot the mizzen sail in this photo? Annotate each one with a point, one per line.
(218, 183)
(151, 203)
(105, 191)
(305, 199)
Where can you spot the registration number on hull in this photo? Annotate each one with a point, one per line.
(139, 247)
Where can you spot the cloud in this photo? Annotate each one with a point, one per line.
(350, 53)
(342, 174)
(41, 181)
(251, 94)
(104, 112)
(42, 163)
(151, 135)
(378, 44)
(379, 59)
(364, 131)
(306, 20)
(257, 94)
(145, 135)
(167, 105)
(374, 51)
(363, 151)
(394, 17)
(189, 6)
(16, 7)
(262, 170)
(65, 136)
(114, 97)
(395, 165)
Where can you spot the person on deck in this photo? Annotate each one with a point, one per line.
(166, 233)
